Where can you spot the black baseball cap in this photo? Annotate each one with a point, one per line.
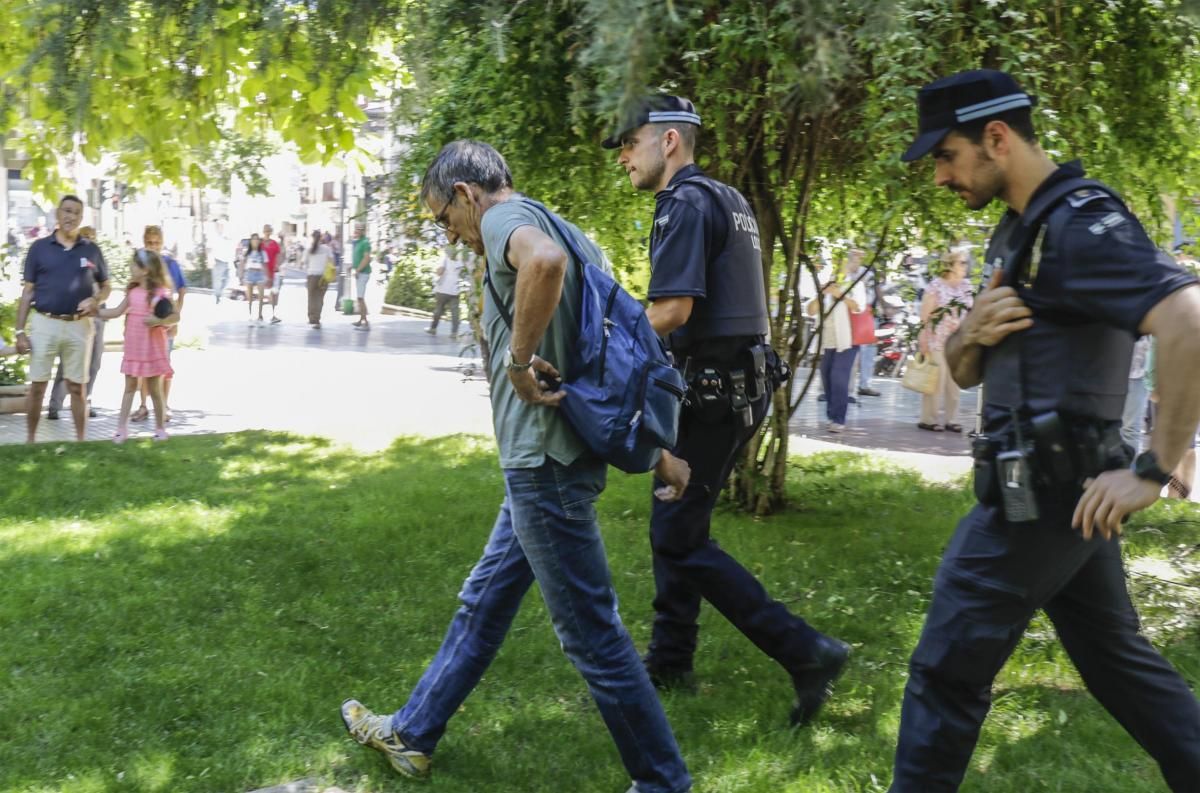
(659, 109)
(960, 98)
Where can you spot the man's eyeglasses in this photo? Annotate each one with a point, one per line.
(441, 221)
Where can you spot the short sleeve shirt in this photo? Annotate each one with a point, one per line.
(271, 249)
(362, 246)
(63, 277)
(1097, 265)
(684, 233)
(527, 434)
(175, 271)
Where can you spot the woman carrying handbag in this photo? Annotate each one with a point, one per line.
(947, 299)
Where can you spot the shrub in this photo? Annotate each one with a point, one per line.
(411, 282)
(12, 368)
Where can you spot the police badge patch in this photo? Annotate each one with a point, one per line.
(1081, 197)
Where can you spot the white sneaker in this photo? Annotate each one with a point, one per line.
(251, 322)
(835, 427)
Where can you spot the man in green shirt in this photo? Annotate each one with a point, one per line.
(360, 265)
(547, 529)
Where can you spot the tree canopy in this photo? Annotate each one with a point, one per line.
(162, 84)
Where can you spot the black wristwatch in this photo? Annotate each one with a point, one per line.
(1145, 466)
(512, 365)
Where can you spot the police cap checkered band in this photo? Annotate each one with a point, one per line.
(960, 99)
(659, 109)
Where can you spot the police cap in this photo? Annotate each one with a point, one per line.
(659, 109)
(959, 99)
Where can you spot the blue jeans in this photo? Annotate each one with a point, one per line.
(547, 530)
(835, 381)
(866, 364)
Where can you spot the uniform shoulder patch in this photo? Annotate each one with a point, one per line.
(1111, 220)
(1084, 195)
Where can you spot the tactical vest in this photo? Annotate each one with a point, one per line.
(1065, 362)
(735, 302)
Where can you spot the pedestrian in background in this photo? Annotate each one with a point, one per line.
(66, 279)
(145, 344)
(838, 353)
(221, 248)
(317, 259)
(273, 272)
(947, 298)
(865, 360)
(58, 391)
(360, 266)
(445, 291)
(152, 239)
(254, 265)
(1133, 418)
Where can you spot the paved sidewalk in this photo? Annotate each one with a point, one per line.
(365, 388)
(362, 388)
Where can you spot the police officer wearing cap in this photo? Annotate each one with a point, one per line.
(1076, 281)
(707, 296)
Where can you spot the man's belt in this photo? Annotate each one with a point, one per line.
(63, 317)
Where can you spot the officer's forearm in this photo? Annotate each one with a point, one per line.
(964, 359)
(1178, 387)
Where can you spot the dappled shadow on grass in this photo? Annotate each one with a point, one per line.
(190, 621)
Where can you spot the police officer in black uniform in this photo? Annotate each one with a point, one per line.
(707, 294)
(1076, 280)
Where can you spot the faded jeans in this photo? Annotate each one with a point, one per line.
(547, 529)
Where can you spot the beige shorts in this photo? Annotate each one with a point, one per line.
(60, 338)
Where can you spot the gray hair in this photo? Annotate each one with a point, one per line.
(469, 161)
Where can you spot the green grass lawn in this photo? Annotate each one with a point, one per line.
(188, 617)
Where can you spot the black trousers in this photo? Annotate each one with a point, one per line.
(993, 576)
(690, 565)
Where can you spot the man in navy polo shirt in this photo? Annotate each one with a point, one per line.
(66, 280)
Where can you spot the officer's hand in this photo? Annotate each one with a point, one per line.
(997, 312)
(23, 345)
(88, 306)
(675, 473)
(530, 389)
(1109, 499)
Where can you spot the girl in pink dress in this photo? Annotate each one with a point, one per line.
(145, 337)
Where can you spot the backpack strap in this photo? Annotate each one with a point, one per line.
(573, 251)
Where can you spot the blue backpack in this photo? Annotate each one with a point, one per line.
(623, 397)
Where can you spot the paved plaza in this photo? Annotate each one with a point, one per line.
(365, 388)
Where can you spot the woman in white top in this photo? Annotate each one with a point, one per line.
(838, 353)
(254, 264)
(317, 257)
(947, 299)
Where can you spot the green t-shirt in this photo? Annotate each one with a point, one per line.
(362, 246)
(526, 433)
